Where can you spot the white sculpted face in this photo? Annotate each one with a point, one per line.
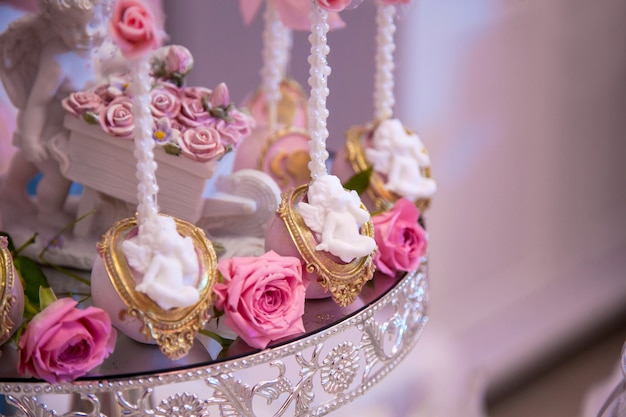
(78, 28)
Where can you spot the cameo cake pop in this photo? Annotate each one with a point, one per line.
(155, 273)
(321, 222)
(397, 157)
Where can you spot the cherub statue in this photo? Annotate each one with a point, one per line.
(168, 262)
(336, 216)
(45, 56)
(400, 156)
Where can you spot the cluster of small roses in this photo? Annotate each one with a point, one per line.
(198, 122)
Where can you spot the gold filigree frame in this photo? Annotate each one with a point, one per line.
(7, 299)
(174, 329)
(383, 199)
(343, 280)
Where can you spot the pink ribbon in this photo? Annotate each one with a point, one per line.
(293, 13)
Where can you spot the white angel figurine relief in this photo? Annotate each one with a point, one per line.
(168, 262)
(400, 156)
(336, 216)
(45, 56)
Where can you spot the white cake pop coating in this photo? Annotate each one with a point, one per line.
(400, 156)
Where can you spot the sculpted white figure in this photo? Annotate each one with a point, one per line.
(336, 216)
(46, 56)
(168, 262)
(400, 156)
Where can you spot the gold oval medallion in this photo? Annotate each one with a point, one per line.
(383, 199)
(343, 280)
(173, 329)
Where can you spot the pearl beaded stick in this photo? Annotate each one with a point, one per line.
(318, 81)
(383, 81)
(147, 188)
(134, 29)
(276, 45)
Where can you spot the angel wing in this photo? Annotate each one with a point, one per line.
(138, 256)
(313, 216)
(20, 49)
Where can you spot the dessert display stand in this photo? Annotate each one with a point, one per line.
(344, 352)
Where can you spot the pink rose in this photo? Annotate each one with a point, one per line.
(178, 59)
(401, 240)
(164, 103)
(63, 343)
(133, 29)
(201, 144)
(234, 128)
(117, 119)
(81, 102)
(333, 5)
(196, 92)
(192, 113)
(262, 297)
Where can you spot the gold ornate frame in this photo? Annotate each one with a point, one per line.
(382, 198)
(174, 329)
(7, 300)
(343, 280)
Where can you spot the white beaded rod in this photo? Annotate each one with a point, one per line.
(276, 47)
(318, 81)
(383, 80)
(147, 187)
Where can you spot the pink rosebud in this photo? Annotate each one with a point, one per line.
(178, 59)
(262, 297)
(81, 102)
(133, 28)
(401, 240)
(333, 5)
(164, 103)
(192, 113)
(220, 96)
(117, 118)
(63, 343)
(202, 144)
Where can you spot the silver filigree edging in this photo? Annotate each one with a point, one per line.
(330, 371)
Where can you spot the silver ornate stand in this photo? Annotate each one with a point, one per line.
(310, 376)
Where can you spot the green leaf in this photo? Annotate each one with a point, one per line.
(172, 149)
(32, 278)
(90, 117)
(219, 248)
(46, 297)
(359, 181)
(30, 309)
(177, 78)
(224, 342)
